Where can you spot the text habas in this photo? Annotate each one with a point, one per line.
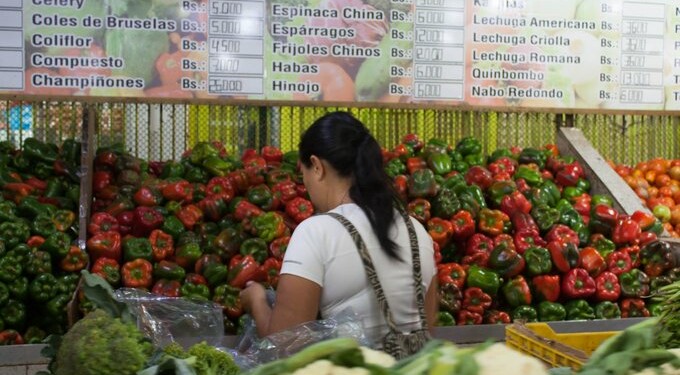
(293, 67)
(363, 14)
(78, 4)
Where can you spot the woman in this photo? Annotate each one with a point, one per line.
(322, 271)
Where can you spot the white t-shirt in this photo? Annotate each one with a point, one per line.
(321, 250)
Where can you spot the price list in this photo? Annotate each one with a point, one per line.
(438, 49)
(11, 45)
(642, 52)
(236, 47)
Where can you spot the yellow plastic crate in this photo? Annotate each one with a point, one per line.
(557, 349)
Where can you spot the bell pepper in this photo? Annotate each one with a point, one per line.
(189, 215)
(625, 231)
(607, 287)
(108, 269)
(603, 245)
(167, 288)
(565, 255)
(577, 283)
(605, 216)
(148, 197)
(506, 261)
(228, 242)
(634, 254)
(42, 225)
(658, 282)
(568, 214)
(277, 248)
(172, 169)
(579, 309)
(499, 190)
(469, 146)
(243, 268)
(17, 287)
(187, 254)
(228, 297)
(162, 245)
(137, 248)
(497, 317)
(527, 238)
(463, 225)
(648, 222)
(522, 222)
(492, 222)
(480, 177)
(422, 184)
(262, 197)
(450, 298)
(255, 247)
(14, 233)
(269, 226)
(177, 191)
(217, 166)
(201, 151)
(516, 292)
(531, 155)
(19, 192)
(299, 209)
(137, 273)
(551, 311)
(525, 313)
(146, 220)
(562, 233)
(634, 283)
(243, 209)
(466, 317)
(607, 310)
(633, 308)
(56, 306)
(211, 268)
(440, 163)
(395, 167)
(284, 191)
(569, 175)
(413, 142)
(538, 260)
(545, 216)
(515, 202)
(419, 208)
(451, 273)
(4, 294)
(484, 279)
(277, 175)
(119, 205)
(478, 243)
(531, 175)
(445, 203)
(475, 300)
(8, 211)
(270, 270)
(195, 288)
(440, 230)
(591, 260)
(445, 319)
(168, 270)
(656, 258)
(13, 314)
(414, 164)
(58, 244)
(38, 262)
(43, 287)
(173, 226)
(20, 253)
(647, 237)
(400, 186)
(619, 262)
(75, 260)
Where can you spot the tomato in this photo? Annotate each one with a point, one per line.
(665, 191)
(653, 191)
(674, 172)
(650, 176)
(675, 215)
(662, 180)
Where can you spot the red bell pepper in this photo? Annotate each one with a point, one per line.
(102, 222)
(162, 245)
(284, 191)
(189, 215)
(492, 222)
(522, 185)
(563, 233)
(146, 196)
(451, 273)
(479, 176)
(400, 184)
(527, 238)
(270, 270)
(505, 240)
(415, 163)
(242, 209)
(546, 287)
(607, 287)
(420, 209)
(582, 204)
(137, 274)
(243, 269)
(17, 191)
(146, 220)
(214, 208)
(503, 165)
(564, 255)
(75, 260)
(497, 317)
(440, 230)
(466, 317)
(478, 243)
(626, 231)
(437, 253)
(277, 248)
(167, 288)
(108, 269)
(475, 300)
(177, 191)
(413, 141)
(239, 181)
(105, 159)
(35, 241)
(506, 261)
(633, 308)
(100, 180)
(105, 245)
(646, 220)
(634, 254)
(569, 174)
(220, 187)
(480, 259)
(619, 262)
(120, 205)
(299, 209)
(647, 237)
(271, 154)
(522, 222)
(605, 214)
(11, 337)
(463, 225)
(578, 284)
(591, 260)
(515, 202)
(36, 183)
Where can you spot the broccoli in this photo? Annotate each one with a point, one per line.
(211, 361)
(101, 344)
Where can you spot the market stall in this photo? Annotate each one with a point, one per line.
(154, 144)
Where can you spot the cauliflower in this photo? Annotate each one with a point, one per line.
(376, 357)
(499, 359)
(100, 344)
(326, 367)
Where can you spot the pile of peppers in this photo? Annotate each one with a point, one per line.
(198, 228)
(39, 263)
(518, 235)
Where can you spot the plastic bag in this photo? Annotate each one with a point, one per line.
(165, 319)
(252, 351)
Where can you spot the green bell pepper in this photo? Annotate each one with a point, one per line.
(71, 152)
(421, 184)
(256, 247)
(468, 146)
(43, 287)
(21, 253)
(551, 311)
(474, 159)
(67, 284)
(583, 184)
(473, 191)
(548, 186)
(526, 313)
(538, 260)
(199, 292)
(21, 163)
(173, 226)
(607, 310)
(57, 245)
(8, 211)
(516, 291)
(10, 268)
(172, 169)
(168, 270)
(4, 293)
(13, 314)
(500, 189)
(42, 170)
(186, 254)
(601, 199)
(539, 197)
(269, 226)
(579, 309)
(136, 248)
(38, 262)
(55, 188)
(570, 193)
(18, 288)
(196, 175)
(217, 166)
(602, 244)
(40, 151)
(56, 306)
(14, 233)
(395, 167)
(451, 182)
(440, 163)
(583, 232)
(499, 153)
(261, 196)
(43, 226)
(483, 278)
(568, 215)
(634, 284)
(445, 204)
(445, 319)
(460, 166)
(30, 207)
(201, 151)
(531, 155)
(531, 176)
(545, 216)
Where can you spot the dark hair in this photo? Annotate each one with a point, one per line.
(345, 143)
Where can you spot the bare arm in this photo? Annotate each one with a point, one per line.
(432, 303)
(297, 301)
